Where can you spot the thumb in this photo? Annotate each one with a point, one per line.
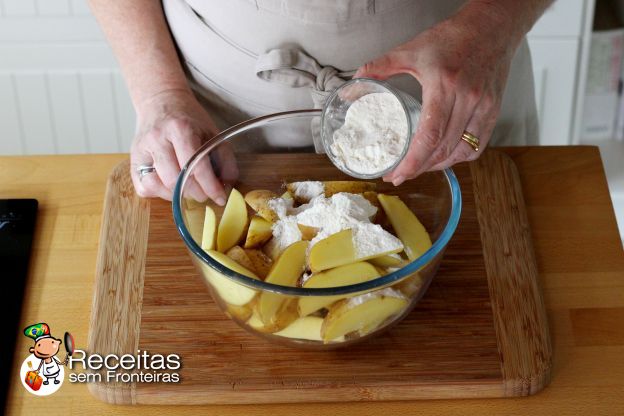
(392, 63)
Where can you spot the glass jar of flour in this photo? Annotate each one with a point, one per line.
(367, 127)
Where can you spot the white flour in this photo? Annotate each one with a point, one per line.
(308, 189)
(387, 292)
(374, 134)
(331, 215)
(286, 232)
(281, 206)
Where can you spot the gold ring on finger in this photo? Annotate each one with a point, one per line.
(472, 140)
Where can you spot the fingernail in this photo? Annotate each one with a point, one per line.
(220, 201)
(398, 180)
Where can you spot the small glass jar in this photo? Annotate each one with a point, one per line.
(335, 111)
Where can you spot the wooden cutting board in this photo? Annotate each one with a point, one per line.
(480, 330)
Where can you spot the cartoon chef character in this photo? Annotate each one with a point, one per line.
(45, 348)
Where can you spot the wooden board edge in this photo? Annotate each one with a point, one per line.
(115, 320)
(482, 389)
(526, 356)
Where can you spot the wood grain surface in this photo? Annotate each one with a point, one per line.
(120, 268)
(578, 251)
(480, 331)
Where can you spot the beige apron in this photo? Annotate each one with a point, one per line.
(246, 58)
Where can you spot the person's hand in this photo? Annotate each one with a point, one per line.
(462, 65)
(171, 126)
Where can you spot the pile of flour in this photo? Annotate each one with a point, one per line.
(307, 190)
(330, 215)
(388, 292)
(373, 136)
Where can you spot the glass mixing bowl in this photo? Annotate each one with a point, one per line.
(266, 153)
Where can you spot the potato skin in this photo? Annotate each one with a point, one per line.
(258, 200)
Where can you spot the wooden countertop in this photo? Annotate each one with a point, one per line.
(578, 250)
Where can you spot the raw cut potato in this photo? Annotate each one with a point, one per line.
(411, 285)
(353, 187)
(233, 222)
(345, 316)
(256, 323)
(406, 226)
(390, 260)
(349, 274)
(240, 256)
(259, 201)
(258, 233)
(337, 250)
(210, 229)
(195, 223)
(308, 327)
(271, 249)
(285, 316)
(286, 272)
(242, 313)
(333, 251)
(228, 290)
(307, 232)
(262, 263)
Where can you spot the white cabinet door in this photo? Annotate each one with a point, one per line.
(554, 69)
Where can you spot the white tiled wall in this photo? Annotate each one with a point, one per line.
(60, 87)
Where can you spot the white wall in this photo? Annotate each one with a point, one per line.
(60, 87)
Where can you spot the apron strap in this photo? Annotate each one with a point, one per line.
(294, 68)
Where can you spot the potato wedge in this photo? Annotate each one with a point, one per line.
(406, 226)
(231, 292)
(347, 316)
(286, 315)
(195, 223)
(261, 262)
(308, 327)
(259, 232)
(411, 285)
(307, 232)
(287, 195)
(346, 275)
(390, 260)
(286, 272)
(272, 249)
(256, 323)
(333, 251)
(242, 312)
(233, 222)
(338, 250)
(240, 256)
(258, 200)
(354, 187)
(210, 229)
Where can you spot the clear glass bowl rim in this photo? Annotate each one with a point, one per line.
(437, 247)
(410, 128)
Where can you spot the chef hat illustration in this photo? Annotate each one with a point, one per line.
(38, 331)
